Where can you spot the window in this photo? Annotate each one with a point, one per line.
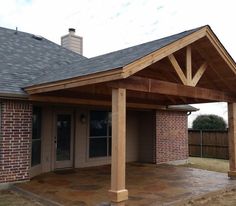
(100, 134)
(36, 136)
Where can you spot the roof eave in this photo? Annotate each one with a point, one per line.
(13, 96)
(95, 78)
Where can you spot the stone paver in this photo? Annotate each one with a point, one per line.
(10, 198)
(147, 185)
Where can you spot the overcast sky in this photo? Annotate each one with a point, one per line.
(108, 25)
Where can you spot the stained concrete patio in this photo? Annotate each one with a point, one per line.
(147, 185)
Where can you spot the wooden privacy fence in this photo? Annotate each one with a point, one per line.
(208, 143)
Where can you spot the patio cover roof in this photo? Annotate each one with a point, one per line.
(190, 67)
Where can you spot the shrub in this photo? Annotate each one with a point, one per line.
(209, 122)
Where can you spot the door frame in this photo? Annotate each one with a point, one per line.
(67, 163)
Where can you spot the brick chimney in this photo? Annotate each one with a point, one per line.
(72, 42)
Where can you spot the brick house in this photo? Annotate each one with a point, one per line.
(62, 110)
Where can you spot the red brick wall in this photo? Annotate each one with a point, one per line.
(171, 136)
(15, 141)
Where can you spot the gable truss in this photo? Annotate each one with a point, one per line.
(187, 78)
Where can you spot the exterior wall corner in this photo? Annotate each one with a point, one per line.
(15, 141)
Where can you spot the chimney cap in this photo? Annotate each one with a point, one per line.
(71, 30)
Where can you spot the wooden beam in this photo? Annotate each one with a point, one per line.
(167, 88)
(199, 74)
(189, 65)
(178, 69)
(90, 102)
(232, 139)
(118, 190)
(68, 100)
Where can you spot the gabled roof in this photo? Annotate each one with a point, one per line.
(127, 62)
(110, 61)
(24, 58)
(38, 65)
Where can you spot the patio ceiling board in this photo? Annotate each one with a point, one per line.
(207, 51)
(161, 70)
(217, 69)
(221, 50)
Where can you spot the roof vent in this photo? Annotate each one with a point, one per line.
(16, 31)
(37, 37)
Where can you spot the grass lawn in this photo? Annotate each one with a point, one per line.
(9, 198)
(216, 165)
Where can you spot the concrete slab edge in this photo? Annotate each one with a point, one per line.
(35, 197)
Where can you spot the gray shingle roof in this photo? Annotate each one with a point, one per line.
(110, 61)
(23, 59)
(26, 61)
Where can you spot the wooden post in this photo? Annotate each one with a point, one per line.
(118, 193)
(189, 65)
(232, 139)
